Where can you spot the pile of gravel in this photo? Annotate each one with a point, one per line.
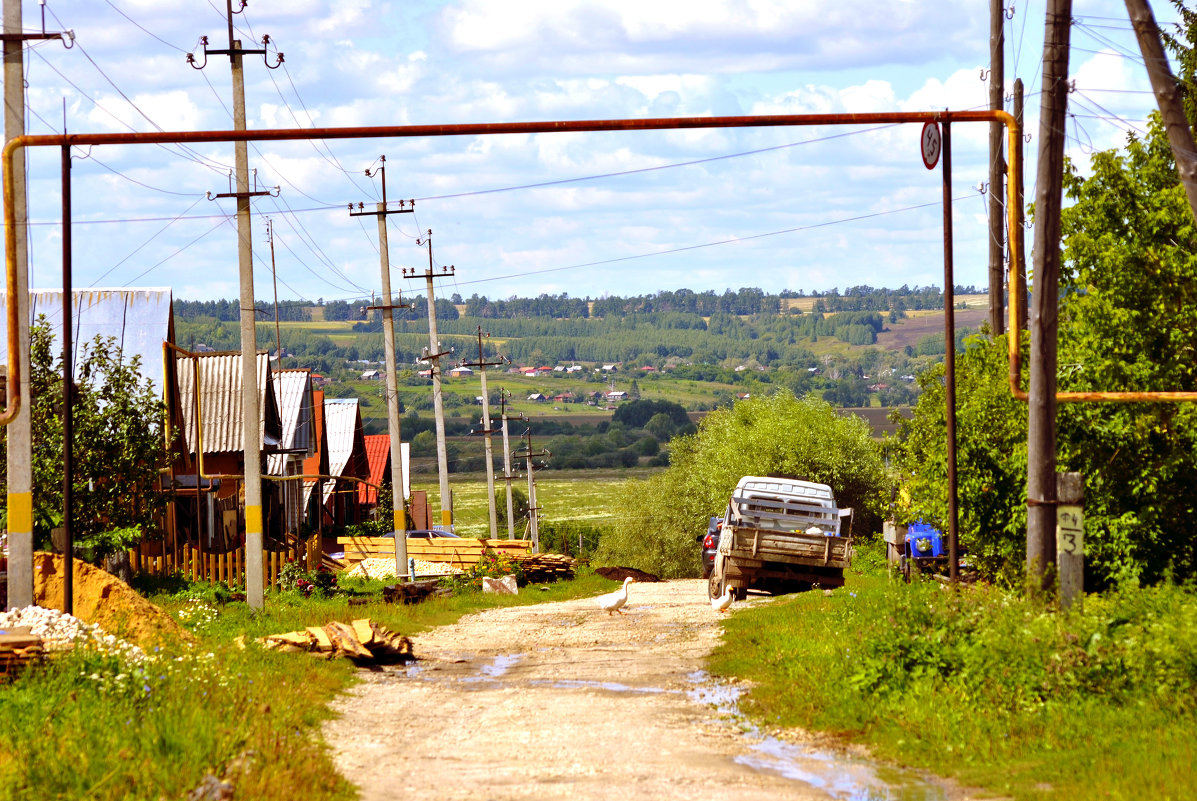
(61, 632)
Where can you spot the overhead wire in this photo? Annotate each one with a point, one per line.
(730, 241)
(77, 44)
(144, 244)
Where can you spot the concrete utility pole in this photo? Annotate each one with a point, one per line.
(997, 167)
(20, 431)
(398, 500)
(482, 364)
(250, 413)
(1018, 272)
(1172, 109)
(1041, 409)
(433, 355)
(507, 475)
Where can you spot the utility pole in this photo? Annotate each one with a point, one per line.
(1167, 97)
(482, 364)
(20, 431)
(398, 499)
(1041, 409)
(533, 506)
(278, 337)
(433, 355)
(251, 444)
(997, 167)
(507, 475)
(1019, 271)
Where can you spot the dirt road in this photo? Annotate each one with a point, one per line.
(560, 701)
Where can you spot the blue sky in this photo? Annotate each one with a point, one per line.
(855, 209)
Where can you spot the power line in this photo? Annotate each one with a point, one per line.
(731, 241)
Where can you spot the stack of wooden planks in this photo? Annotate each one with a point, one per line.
(363, 641)
(19, 647)
(540, 568)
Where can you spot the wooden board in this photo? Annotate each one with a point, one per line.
(802, 549)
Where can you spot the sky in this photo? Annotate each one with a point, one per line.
(587, 214)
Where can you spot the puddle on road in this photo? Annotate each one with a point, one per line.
(494, 670)
(580, 684)
(842, 776)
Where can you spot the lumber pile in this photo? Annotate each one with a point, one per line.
(540, 568)
(19, 647)
(461, 553)
(363, 641)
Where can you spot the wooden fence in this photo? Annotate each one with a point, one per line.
(197, 565)
(460, 553)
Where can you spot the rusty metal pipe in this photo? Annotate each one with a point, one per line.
(480, 129)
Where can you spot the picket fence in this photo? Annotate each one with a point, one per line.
(227, 567)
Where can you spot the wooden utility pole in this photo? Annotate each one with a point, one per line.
(1041, 409)
(482, 364)
(1167, 97)
(1018, 271)
(398, 498)
(433, 355)
(997, 168)
(250, 412)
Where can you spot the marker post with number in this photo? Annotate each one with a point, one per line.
(1070, 537)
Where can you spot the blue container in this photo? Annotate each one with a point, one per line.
(924, 541)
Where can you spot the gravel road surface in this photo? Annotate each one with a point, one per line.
(563, 701)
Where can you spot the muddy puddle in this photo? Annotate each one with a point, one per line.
(842, 776)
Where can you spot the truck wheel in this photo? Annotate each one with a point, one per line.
(715, 585)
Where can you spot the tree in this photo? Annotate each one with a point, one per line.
(658, 518)
(118, 447)
(1128, 312)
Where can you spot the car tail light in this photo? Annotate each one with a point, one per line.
(709, 542)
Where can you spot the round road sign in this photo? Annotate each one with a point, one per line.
(930, 144)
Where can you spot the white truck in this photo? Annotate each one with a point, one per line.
(781, 535)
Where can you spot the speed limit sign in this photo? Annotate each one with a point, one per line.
(930, 143)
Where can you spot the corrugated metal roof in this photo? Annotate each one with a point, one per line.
(292, 392)
(340, 422)
(220, 401)
(378, 452)
(138, 319)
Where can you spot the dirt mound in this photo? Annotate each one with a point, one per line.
(102, 598)
(621, 573)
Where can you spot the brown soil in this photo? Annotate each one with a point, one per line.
(621, 573)
(558, 701)
(105, 600)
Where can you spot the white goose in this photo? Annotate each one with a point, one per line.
(721, 603)
(614, 601)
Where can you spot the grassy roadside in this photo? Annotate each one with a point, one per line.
(982, 686)
(93, 726)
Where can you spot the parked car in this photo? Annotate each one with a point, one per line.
(710, 545)
(425, 533)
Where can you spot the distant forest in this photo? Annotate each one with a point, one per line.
(745, 301)
(695, 335)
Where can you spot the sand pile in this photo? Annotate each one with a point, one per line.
(103, 599)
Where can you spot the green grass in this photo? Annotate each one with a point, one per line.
(88, 726)
(984, 686)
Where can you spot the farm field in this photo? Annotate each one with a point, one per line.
(582, 496)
